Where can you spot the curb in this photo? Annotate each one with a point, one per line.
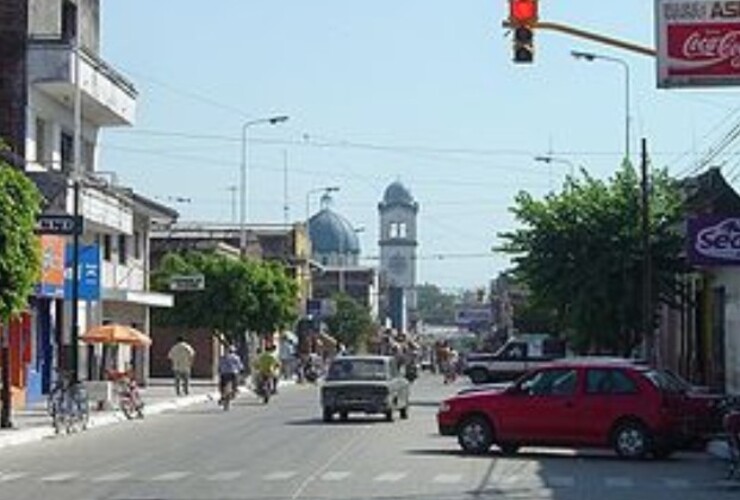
(19, 437)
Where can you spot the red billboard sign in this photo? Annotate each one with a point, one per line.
(698, 43)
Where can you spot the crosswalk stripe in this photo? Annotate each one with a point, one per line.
(111, 477)
(389, 477)
(171, 476)
(676, 483)
(619, 482)
(560, 481)
(59, 477)
(447, 478)
(7, 477)
(335, 476)
(225, 475)
(279, 475)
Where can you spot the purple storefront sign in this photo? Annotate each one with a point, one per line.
(714, 240)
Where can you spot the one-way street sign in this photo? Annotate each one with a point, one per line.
(63, 225)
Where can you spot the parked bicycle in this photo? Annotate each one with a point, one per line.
(68, 405)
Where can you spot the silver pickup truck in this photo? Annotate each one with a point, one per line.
(512, 360)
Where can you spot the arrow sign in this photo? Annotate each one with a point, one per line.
(63, 225)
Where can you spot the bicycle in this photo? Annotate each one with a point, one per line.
(68, 405)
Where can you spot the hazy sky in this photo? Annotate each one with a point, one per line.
(418, 90)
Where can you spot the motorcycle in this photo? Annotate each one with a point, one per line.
(129, 398)
(264, 388)
(411, 372)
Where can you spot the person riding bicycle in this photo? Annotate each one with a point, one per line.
(267, 366)
(229, 368)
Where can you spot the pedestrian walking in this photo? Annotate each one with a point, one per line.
(181, 356)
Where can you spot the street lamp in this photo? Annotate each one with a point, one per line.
(590, 57)
(556, 159)
(274, 120)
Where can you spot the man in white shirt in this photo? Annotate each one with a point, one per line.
(181, 356)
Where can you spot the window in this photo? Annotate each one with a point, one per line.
(41, 150)
(137, 245)
(609, 381)
(69, 20)
(393, 230)
(67, 151)
(122, 250)
(517, 350)
(557, 382)
(106, 247)
(401, 229)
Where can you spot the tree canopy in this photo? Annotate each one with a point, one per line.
(20, 254)
(435, 307)
(580, 253)
(351, 324)
(239, 295)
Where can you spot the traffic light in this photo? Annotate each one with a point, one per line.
(522, 17)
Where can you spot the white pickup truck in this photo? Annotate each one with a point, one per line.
(513, 359)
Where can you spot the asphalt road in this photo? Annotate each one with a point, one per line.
(284, 451)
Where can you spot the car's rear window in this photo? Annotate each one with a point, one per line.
(357, 369)
(664, 381)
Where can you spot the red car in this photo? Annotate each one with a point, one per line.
(594, 403)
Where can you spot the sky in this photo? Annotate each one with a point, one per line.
(421, 91)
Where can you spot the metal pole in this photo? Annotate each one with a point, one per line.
(626, 108)
(647, 264)
(75, 332)
(5, 397)
(243, 194)
(286, 207)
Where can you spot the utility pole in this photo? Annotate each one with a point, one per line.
(75, 331)
(286, 206)
(647, 320)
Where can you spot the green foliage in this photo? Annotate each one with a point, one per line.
(580, 253)
(435, 307)
(351, 324)
(20, 253)
(239, 295)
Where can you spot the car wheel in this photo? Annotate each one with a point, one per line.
(631, 440)
(327, 415)
(475, 435)
(479, 376)
(508, 448)
(343, 416)
(405, 413)
(389, 415)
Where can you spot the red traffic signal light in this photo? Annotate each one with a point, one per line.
(522, 12)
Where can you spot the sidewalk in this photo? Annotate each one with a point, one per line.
(34, 423)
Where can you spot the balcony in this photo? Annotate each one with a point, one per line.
(108, 98)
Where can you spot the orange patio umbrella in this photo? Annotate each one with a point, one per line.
(116, 334)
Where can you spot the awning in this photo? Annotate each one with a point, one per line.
(146, 298)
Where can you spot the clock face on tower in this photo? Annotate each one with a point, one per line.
(397, 264)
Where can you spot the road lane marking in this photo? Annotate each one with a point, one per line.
(111, 477)
(447, 478)
(676, 483)
(389, 477)
(7, 477)
(619, 482)
(225, 475)
(279, 475)
(337, 475)
(59, 477)
(170, 476)
(323, 468)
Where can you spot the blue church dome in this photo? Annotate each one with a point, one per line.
(397, 194)
(331, 233)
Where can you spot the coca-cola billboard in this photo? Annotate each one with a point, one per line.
(698, 43)
(714, 240)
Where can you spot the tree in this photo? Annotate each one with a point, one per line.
(20, 260)
(435, 307)
(351, 324)
(580, 254)
(239, 295)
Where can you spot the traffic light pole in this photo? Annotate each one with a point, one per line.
(589, 35)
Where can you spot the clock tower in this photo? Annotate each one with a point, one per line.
(398, 214)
